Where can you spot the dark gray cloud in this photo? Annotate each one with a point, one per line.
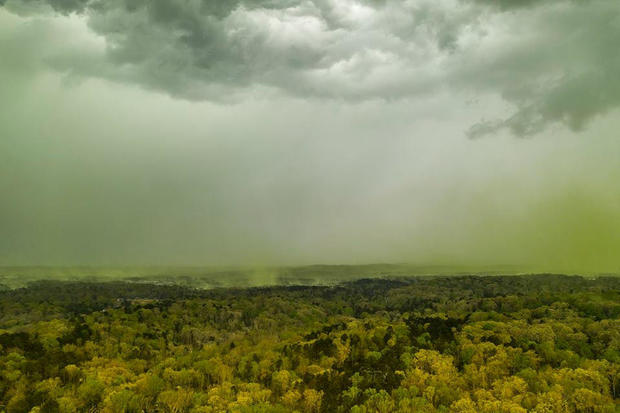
(561, 68)
(552, 61)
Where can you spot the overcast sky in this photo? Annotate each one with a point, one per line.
(474, 132)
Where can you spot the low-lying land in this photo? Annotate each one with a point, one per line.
(540, 343)
(229, 277)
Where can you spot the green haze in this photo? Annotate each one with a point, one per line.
(164, 137)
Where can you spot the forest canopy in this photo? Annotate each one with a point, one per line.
(544, 343)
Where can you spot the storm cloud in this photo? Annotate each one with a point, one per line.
(543, 58)
(298, 132)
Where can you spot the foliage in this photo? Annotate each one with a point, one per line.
(469, 344)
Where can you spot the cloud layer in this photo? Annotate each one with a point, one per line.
(551, 61)
(344, 142)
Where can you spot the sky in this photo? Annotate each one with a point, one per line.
(284, 132)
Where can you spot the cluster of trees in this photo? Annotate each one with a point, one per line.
(438, 344)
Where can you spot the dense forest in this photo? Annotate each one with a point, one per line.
(469, 344)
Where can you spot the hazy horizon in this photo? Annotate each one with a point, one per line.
(257, 133)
